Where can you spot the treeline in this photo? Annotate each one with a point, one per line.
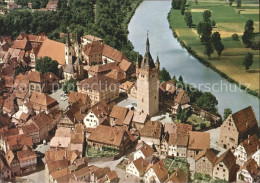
(101, 18)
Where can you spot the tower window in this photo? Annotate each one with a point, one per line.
(142, 99)
(155, 97)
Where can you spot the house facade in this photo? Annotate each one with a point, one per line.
(237, 127)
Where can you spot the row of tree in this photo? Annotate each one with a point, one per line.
(211, 41)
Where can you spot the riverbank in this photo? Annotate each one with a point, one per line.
(230, 65)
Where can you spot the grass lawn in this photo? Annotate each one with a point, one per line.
(94, 153)
(178, 163)
(228, 21)
(196, 121)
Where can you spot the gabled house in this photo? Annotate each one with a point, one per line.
(178, 144)
(28, 159)
(246, 149)
(75, 97)
(204, 162)
(225, 167)
(13, 163)
(43, 122)
(43, 102)
(181, 98)
(151, 133)
(99, 88)
(118, 115)
(157, 173)
(197, 142)
(237, 127)
(139, 120)
(42, 82)
(249, 172)
(16, 142)
(110, 137)
(144, 151)
(98, 114)
(137, 167)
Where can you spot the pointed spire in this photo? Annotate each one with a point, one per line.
(157, 59)
(147, 43)
(68, 43)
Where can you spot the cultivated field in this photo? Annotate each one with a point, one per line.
(229, 20)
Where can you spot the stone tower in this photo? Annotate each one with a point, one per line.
(68, 50)
(147, 73)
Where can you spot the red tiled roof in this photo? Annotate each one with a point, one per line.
(53, 49)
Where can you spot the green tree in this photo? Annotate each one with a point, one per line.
(208, 102)
(248, 61)
(179, 112)
(36, 4)
(182, 9)
(180, 79)
(230, 2)
(208, 49)
(206, 15)
(188, 19)
(218, 45)
(205, 30)
(248, 34)
(235, 37)
(196, 2)
(164, 75)
(46, 64)
(70, 85)
(239, 3)
(203, 126)
(227, 112)
(176, 4)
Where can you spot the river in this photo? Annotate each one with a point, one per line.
(151, 16)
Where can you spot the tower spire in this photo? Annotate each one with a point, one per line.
(147, 42)
(68, 43)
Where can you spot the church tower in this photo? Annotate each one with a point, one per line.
(147, 73)
(68, 50)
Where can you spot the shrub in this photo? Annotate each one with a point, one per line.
(202, 126)
(235, 37)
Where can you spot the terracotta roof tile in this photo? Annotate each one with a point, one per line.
(126, 85)
(199, 140)
(178, 176)
(211, 156)
(228, 159)
(152, 129)
(26, 154)
(245, 119)
(112, 175)
(107, 135)
(141, 165)
(125, 65)
(178, 139)
(251, 144)
(42, 99)
(53, 49)
(146, 149)
(252, 168)
(160, 170)
(118, 112)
